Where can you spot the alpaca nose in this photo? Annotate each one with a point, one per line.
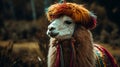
(51, 28)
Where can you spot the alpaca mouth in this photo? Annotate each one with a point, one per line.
(52, 34)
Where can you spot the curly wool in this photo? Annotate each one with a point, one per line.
(77, 12)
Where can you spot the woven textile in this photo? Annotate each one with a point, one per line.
(103, 57)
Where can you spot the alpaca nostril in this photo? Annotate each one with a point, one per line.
(52, 28)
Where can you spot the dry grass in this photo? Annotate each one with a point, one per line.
(23, 54)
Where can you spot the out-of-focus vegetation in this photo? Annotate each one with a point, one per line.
(25, 21)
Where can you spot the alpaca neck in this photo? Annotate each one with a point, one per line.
(83, 54)
(83, 49)
(68, 53)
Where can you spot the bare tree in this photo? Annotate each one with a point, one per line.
(12, 9)
(33, 10)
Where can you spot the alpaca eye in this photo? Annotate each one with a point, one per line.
(68, 22)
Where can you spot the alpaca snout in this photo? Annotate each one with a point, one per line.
(52, 31)
(51, 28)
(52, 34)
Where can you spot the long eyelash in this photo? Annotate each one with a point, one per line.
(68, 22)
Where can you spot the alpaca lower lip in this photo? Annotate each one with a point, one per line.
(53, 34)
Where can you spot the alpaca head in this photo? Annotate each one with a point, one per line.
(61, 28)
(65, 17)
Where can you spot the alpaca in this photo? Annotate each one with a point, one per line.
(71, 43)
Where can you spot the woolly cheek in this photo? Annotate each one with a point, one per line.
(66, 32)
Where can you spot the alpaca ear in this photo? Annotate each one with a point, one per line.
(92, 21)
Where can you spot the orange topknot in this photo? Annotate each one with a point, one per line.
(77, 12)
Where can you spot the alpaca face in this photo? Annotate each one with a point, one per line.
(61, 28)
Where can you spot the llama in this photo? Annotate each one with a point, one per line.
(71, 43)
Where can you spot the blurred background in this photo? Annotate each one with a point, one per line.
(23, 25)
